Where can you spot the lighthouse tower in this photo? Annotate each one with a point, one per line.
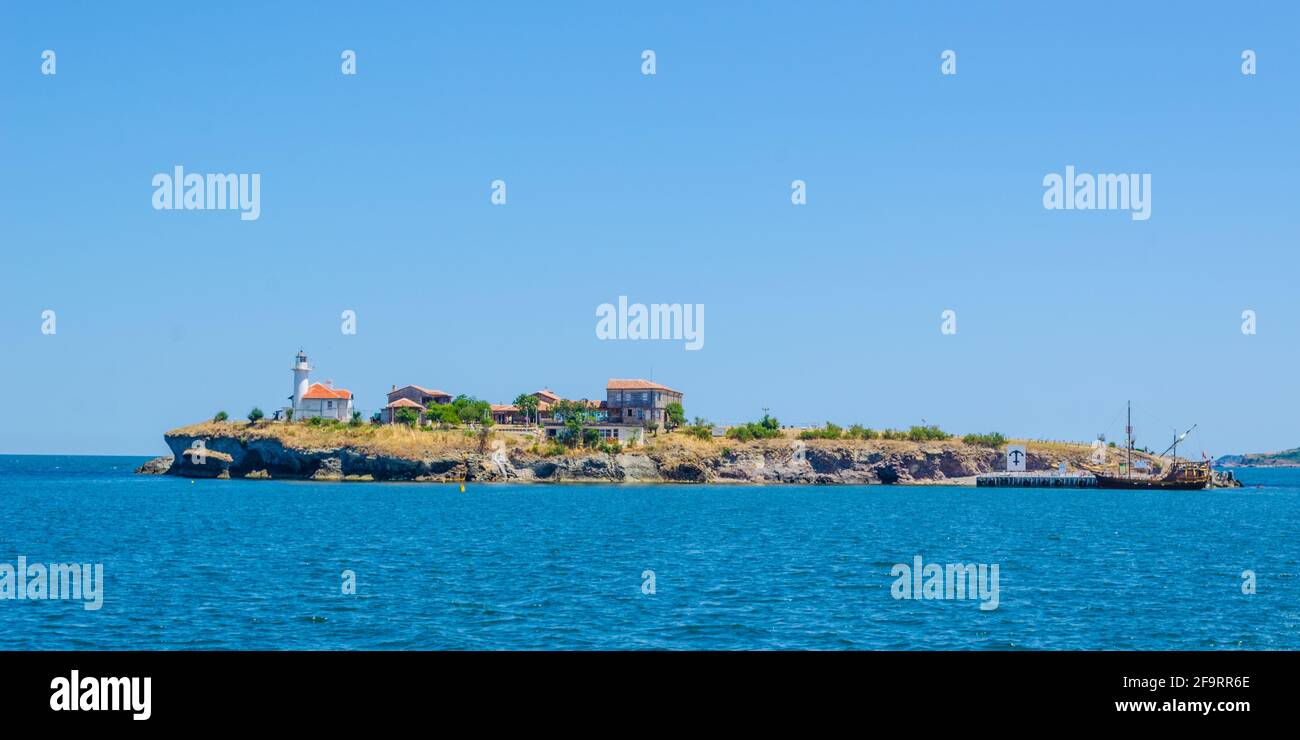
(300, 371)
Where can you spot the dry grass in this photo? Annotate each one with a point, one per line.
(681, 440)
(397, 440)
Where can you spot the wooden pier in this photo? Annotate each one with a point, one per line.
(1036, 480)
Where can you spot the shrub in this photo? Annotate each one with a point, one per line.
(355, 421)
(766, 428)
(857, 431)
(927, 433)
(830, 431)
(221, 416)
(992, 439)
(255, 415)
(701, 429)
(741, 433)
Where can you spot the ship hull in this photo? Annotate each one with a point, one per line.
(1148, 484)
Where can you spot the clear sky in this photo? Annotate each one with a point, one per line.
(924, 193)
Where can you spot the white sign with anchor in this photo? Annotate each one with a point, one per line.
(1016, 459)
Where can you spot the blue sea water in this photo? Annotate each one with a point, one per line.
(237, 564)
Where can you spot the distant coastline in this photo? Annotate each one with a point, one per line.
(1283, 459)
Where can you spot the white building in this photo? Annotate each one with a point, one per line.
(317, 399)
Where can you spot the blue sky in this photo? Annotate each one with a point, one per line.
(924, 194)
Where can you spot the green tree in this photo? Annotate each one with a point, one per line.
(408, 417)
(527, 403)
(575, 415)
(442, 414)
(255, 415)
(470, 410)
(674, 415)
(221, 416)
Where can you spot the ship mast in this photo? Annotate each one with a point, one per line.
(1178, 438)
(1128, 451)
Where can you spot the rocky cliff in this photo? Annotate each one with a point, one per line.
(242, 455)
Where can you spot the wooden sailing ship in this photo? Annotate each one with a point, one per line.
(1182, 475)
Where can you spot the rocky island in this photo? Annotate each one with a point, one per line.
(1283, 459)
(279, 450)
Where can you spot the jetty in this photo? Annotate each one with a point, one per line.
(1037, 480)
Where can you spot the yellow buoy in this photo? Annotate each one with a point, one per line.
(462, 488)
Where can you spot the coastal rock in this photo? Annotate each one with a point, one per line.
(156, 466)
(331, 468)
(1224, 479)
(201, 462)
(255, 452)
(636, 468)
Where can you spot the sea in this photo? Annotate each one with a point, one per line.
(286, 565)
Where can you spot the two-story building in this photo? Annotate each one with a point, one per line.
(638, 401)
(412, 397)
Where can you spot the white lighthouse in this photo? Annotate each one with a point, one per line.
(300, 371)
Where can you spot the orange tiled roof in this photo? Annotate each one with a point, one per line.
(403, 403)
(425, 391)
(635, 384)
(503, 407)
(548, 394)
(317, 392)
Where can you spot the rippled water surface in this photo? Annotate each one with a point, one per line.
(257, 564)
